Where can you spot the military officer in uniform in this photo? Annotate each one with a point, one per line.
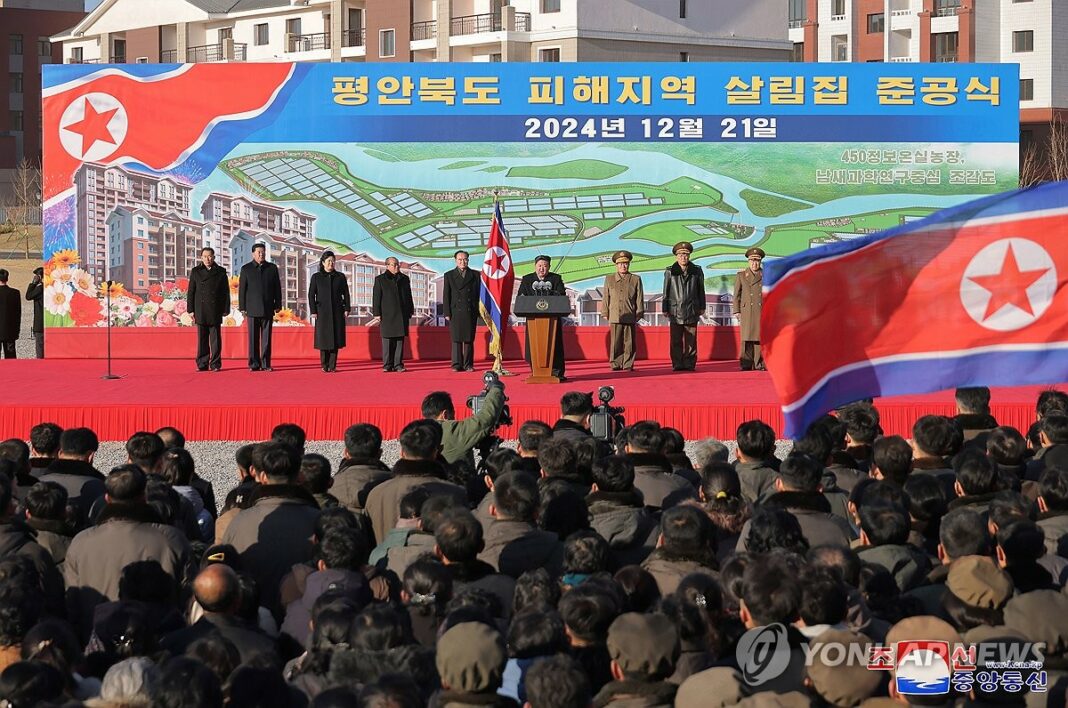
(684, 304)
(544, 282)
(623, 305)
(460, 301)
(748, 300)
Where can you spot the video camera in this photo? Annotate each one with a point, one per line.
(487, 445)
(606, 420)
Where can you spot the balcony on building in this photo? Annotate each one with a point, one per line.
(487, 22)
(308, 42)
(227, 50)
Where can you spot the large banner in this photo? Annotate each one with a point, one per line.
(146, 164)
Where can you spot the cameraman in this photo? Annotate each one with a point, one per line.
(459, 437)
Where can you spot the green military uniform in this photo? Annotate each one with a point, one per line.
(623, 305)
(748, 302)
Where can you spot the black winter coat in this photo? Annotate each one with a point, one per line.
(260, 289)
(460, 301)
(209, 295)
(10, 313)
(328, 300)
(391, 300)
(684, 294)
(35, 294)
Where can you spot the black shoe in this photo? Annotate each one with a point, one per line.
(326, 369)
(266, 368)
(216, 368)
(616, 368)
(469, 368)
(762, 368)
(387, 369)
(253, 368)
(202, 368)
(456, 368)
(400, 370)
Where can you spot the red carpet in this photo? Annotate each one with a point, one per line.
(237, 404)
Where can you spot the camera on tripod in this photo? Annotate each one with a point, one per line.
(487, 445)
(606, 420)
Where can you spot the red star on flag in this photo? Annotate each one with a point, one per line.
(93, 127)
(1008, 287)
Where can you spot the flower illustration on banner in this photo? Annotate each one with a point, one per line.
(185, 319)
(85, 310)
(57, 299)
(165, 319)
(63, 258)
(62, 275)
(234, 319)
(180, 307)
(149, 308)
(286, 317)
(82, 282)
(167, 305)
(235, 284)
(155, 293)
(116, 290)
(145, 320)
(125, 308)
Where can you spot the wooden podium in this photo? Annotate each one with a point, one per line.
(543, 313)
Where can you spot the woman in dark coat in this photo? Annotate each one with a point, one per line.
(391, 302)
(328, 303)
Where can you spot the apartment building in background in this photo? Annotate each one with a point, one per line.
(1031, 33)
(121, 31)
(26, 27)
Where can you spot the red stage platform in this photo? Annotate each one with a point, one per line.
(237, 404)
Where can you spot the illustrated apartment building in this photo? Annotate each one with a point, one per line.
(1031, 33)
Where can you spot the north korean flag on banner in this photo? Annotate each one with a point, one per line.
(974, 295)
(159, 121)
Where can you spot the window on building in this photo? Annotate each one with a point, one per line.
(1023, 41)
(684, 56)
(76, 54)
(839, 47)
(549, 55)
(799, 52)
(387, 43)
(14, 45)
(44, 47)
(682, 9)
(16, 120)
(946, 7)
(15, 81)
(1016, 1)
(261, 34)
(838, 7)
(945, 46)
(550, 5)
(293, 25)
(1027, 89)
(876, 23)
(225, 33)
(496, 57)
(798, 12)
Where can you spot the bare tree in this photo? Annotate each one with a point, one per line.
(22, 209)
(1047, 161)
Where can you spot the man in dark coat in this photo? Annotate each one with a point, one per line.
(259, 297)
(73, 470)
(460, 301)
(544, 282)
(748, 302)
(328, 304)
(392, 304)
(35, 294)
(10, 316)
(684, 303)
(209, 301)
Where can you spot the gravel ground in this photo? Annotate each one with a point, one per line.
(215, 459)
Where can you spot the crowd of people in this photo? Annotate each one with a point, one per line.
(568, 572)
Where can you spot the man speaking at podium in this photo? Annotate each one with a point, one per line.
(543, 282)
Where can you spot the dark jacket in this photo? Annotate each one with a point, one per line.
(272, 535)
(669, 570)
(938, 469)
(975, 502)
(208, 296)
(35, 294)
(636, 694)
(328, 300)
(17, 539)
(655, 479)
(355, 479)
(813, 512)
(124, 534)
(10, 313)
(756, 478)
(299, 612)
(621, 519)
(974, 423)
(526, 284)
(84, 485)
(1055, 525)
(570, 431)
(684, 293)
(514, 547)
(259, 292)
(907, 564)
(460, 302)
(483, 576)
(383, 502)
(391, 301)
(53, 536)
(250, 641)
